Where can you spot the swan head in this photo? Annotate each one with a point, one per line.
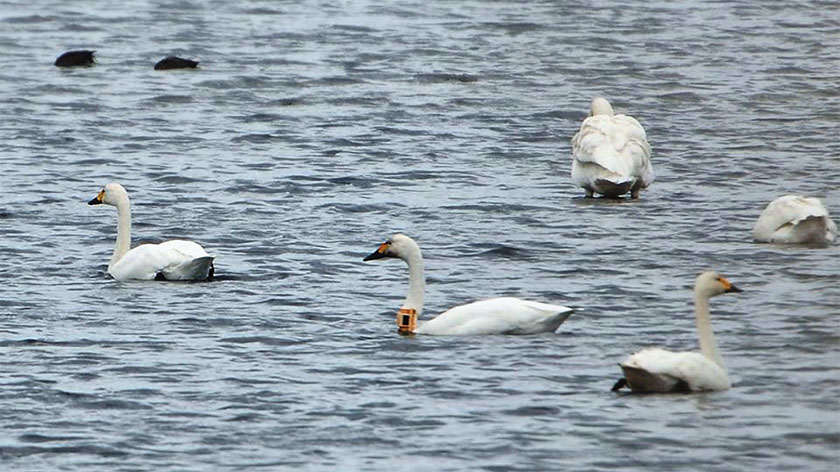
(710, 284)
(600, 106)
(398, 245)
(110, 194)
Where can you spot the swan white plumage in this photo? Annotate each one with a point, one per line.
(795, 220)
(656, 370)
(171, 260)
(504, 315)
(610, 153)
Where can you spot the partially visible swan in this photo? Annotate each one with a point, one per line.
(171, 260)
(656, 370)
(610, 153)
(796, 220)
(505, 315)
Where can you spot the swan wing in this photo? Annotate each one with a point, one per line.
(660, 370)
(176, 260)
(505, 315)
(188, 249)
(615, 144)
(794, 219)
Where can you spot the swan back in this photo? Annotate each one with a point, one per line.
(617, 143)
(172, 260)
(611, 154)
(797, 220)
(656, 370)
(503, 315)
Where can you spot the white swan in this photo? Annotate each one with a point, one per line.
(505, 315)
(796, 220)
(171, 260)
(610, 153)
(656, 370)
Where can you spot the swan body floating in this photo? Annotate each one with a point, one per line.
(795, 220)
(610, 153)
(656, 370)
(504, 315)
(171, 260)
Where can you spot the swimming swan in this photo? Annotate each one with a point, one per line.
(171, 260)
(504, 315)
(610, 153)
(795, 220)
(656, 370)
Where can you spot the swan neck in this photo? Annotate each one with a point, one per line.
(708, 342)
(123, 232)
(416, 282)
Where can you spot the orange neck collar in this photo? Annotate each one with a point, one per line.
(406, 320)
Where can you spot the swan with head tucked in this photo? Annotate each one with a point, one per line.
(171, 260)
(795, 220)
(656, 370)
(505, 315)
(610, 153)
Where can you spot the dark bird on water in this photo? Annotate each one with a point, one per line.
(173, 62)
(76, 58)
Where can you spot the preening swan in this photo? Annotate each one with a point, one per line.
(171, 260)
(656, 370)
(505, 315)
(610, 153)
(795, 220)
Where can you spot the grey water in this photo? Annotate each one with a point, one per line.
(313, 130)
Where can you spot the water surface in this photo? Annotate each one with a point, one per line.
(313, 130)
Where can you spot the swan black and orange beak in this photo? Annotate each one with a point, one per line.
(98, 199)
(728, 287)
(379, 253)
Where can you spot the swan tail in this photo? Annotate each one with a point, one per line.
(612, 189)
(559, 319)
(813, 230)
(621, 383)
(200, 268)
(548, 324)
(642, 381)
